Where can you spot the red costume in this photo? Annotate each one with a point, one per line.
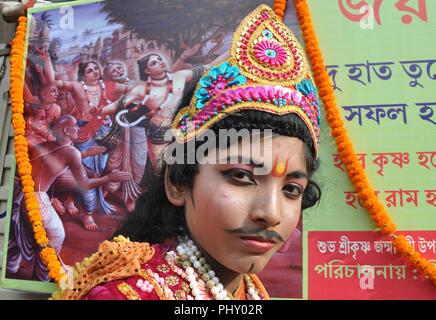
(92, 127)
(124, 270)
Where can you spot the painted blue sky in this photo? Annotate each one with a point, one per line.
(88, 16)
(85, 16)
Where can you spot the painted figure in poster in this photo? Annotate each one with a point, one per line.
(115, 71)
(157, 96)
(130, 154)
(37, 128)
(89, 92)
(49, 160)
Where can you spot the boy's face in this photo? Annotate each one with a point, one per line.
(240, 219)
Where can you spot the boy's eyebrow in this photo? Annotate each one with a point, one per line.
(297, 175)
(242, 160)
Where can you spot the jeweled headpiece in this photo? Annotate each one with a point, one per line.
(267, 70)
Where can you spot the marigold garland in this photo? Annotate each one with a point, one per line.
(355, 171)
(280, 8)
(24, 167)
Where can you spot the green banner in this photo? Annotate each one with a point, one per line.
(381, 59)
(384, 76)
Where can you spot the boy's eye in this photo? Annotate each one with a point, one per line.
(293, 191)
(240, 176)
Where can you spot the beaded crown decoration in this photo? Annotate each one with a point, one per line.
(267, 70)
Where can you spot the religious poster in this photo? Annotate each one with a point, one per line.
(120, 72)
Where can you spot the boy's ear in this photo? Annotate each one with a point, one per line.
(175, 193)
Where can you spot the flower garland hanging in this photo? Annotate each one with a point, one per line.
(24, 167)
(354, 169)
(280, 8)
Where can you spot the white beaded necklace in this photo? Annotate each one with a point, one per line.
(202, 279)
(95, 93)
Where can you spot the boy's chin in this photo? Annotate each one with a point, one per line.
(254, 266)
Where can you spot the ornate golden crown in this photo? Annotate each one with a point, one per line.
(267, 70)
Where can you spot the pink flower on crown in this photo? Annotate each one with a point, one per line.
(270, 52)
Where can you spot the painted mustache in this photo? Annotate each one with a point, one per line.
(258, 232)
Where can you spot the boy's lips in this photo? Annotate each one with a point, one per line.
(257, 243)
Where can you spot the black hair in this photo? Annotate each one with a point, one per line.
(82, 67)
(143, 63)
(155, 219)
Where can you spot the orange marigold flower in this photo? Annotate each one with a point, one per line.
(389, 228)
